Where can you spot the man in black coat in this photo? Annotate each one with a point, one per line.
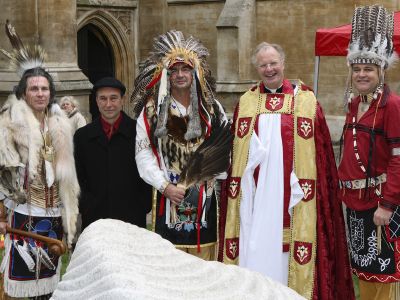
(105, 162)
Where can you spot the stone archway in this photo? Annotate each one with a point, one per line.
(115, 33)
(95, 59)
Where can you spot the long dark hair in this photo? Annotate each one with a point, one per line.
(20, 89)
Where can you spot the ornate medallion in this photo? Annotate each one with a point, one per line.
(308, 187)
(274, 101)
(304, 127)
(243, 127)
(232, 248)
(302, 252)
(234, 187)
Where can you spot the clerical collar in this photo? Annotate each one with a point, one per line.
(273, 91)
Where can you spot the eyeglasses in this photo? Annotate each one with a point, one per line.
(271, 65)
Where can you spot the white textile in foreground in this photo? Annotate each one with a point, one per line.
(116, 260)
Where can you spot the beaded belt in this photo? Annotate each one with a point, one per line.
(360, 183)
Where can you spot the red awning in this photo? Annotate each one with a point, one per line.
(334, 41)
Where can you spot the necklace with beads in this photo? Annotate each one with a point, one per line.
(365, 102)
(364, 99)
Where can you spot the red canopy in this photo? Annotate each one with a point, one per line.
(334, 41)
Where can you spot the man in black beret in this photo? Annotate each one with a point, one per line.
(105, 162)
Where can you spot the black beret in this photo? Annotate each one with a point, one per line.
(109, 82)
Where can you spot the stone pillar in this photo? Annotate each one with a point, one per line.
(236, 28)
(153, 19)
(52, 24)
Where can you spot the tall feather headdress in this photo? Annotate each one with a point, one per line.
(372, 36)
(22, 57)
(152, 82)
(371, 42)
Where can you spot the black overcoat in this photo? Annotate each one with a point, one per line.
(110, 183)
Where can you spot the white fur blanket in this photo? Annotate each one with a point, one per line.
(117, 260)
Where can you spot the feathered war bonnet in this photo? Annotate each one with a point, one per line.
(371, 42)
(26, 60)
(151, 88)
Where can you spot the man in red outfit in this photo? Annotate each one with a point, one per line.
(369, 172)
(282, 187)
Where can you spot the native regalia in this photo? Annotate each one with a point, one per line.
(38, 184)
(168, 135)
(369, 171)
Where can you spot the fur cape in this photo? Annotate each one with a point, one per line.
(20, 145)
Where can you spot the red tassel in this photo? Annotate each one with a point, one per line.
(205, 121)
(154, 81)
(199, 213)
(162, 205)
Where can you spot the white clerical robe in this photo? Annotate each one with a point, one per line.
(261, 208)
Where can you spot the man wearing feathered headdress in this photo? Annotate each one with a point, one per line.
(176, 108)
(282, 216)
(38, 183)
(369, 171)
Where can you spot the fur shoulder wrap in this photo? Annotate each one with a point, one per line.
(20, 145)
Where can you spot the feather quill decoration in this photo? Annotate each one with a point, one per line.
(390, 24)
(24, 253)
(210, 159)
(45, 259)
(165, 48)
(371, 37)
(22, 57)
(140, 92)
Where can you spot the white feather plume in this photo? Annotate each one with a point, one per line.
(22, 57)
